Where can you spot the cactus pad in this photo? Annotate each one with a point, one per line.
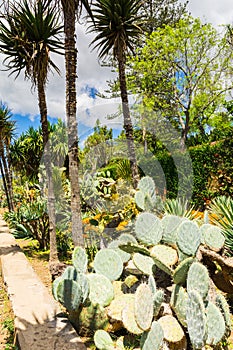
(101, 289)
(152, 339)
(79, 259)
(213, 237)
(144, 306)
(148, 229)
(170, 224)
(158, 298)
(103, 341)
(128, 318)
(181, 271)
(215, 324)
(69, 294)
(134, 248)
(123, 255)
(83, 282)
(178, 302)
(164, 253)
(54, 287)
(173, 332)
(152, 284)
(198, 279)
(108, 263)
(118, 305)
(224, 308)
(70, 273)
(143, 263)
(196, 320)
(188, 237)
(162, 266)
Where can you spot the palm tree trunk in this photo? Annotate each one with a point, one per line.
(7, 179)
(53, 256)
(127, 119)
(5, 185)
(71, 75)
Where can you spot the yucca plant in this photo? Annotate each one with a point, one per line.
(221, 210)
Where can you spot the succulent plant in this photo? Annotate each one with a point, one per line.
(170, 224)
(128, 318)
(165, 254)
(148, 228)
(196, 320)
(144, 307)
(178, 302)
(198, 279)
(224, 308)
(143, 263)
(152, 339)
(108, 263)
(212, 237)
(158, 298)
(79, 259)
(188, 237)
(118, 304)
(103, 341)
(215, 324)
(162, 266)
(173, 332)
(181, 271)
(145, 197)
(69, 293)
(101, 289)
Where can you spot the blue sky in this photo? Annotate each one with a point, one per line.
(91, 78)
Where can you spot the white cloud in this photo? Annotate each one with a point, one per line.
(19, 97)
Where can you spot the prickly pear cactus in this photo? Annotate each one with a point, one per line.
(213, 237)
(108, 263)
(181, 271)
(69, 294)
(101, 289)
(158, 299)
(173, 332)
(148, 229)
(143, 263)
(146, 198)
(144, 307)
(165, 254)
(198, 279)
(224, 308)
(118, 304)
(103, 341)
(196, 320)
(215, 324)
(188, 237)
(79, 259)
(152, 339)
(178, 302)
(128, 318)
(170, 224)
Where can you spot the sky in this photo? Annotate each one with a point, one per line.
(92, 77)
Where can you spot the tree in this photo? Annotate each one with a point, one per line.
(159, 13)
(118, 25)
(72, 8)
(26, 153)
(183, 73)
(7, 127)
(30, 34)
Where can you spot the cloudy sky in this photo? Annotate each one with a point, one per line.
(91, 77)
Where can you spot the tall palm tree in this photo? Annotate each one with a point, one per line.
(72, 9)
(30, 34)
(118, 24)
(7, 127)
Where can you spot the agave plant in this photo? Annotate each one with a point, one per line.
(179, 207)
(221, 210)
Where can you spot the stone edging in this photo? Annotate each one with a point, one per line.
(39, 322)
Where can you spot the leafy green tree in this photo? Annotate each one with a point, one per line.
(28, 34)
(159, 13)
(7, 127)
(183, 74)
(117, 24)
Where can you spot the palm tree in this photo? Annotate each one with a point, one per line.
(71, 9)
(118, 25)
(30, 34)
(7, 127)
